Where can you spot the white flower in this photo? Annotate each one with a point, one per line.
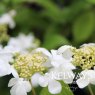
(19, 86)
(54, 86)
(23, 41)
(62, 66)
(62, 70)
(7, 19)
(6, 56)
(58, 59)
(66, 51)
(86, 77)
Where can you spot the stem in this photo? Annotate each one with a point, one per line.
(90, 90)
(33, 91)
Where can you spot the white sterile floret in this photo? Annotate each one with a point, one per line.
(66, 51)
(62, 73)
(62, 70)
(6, 56)
(86, 77)
(4, 68)
(23, 41)
(58, 59)
(54, 86)
(7, 18)
(19, 86)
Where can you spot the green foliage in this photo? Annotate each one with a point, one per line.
(83, 26)
(91, 1)
(55, 40)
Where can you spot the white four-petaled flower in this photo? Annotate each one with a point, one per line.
(7, 18)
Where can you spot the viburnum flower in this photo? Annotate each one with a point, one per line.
(54, 86)
(86, 77)
(24, 41)
(66, 52)
(59, 58)
(20, 86)
(7, 18)
(61, 70)
(27, 68)
(6, 56)
(84, 57)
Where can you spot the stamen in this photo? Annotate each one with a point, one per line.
(84, 57)
(28, 64)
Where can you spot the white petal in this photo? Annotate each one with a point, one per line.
(34, 79)
(21, 87)
(18, 90)
(27, 86)
(54, 87)
(68, 77)
(65, 51)
(5, 68)
(7, 57)
(13, 90)
(46, 53)
(14, 72)
(12, 82)
(11, 49)
(43, 81)
(43, 50)
(57, 60)
(91, 76)
(82, 82)
(69, 65)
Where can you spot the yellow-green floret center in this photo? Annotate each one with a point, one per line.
(28, 64)
(84, 57)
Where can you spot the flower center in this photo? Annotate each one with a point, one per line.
(84, 57)
(28, 64)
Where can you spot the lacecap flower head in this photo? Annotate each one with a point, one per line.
(28, 67)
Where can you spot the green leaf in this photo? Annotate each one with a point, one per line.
(54, 40)
(91, 1)
(83, 26)
(65, 90)
(52, 37)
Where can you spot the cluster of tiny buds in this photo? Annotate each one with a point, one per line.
(28, 64)
(84, 57)
(3, 33)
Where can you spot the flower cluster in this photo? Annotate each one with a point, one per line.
(32, 66)
(44, 68)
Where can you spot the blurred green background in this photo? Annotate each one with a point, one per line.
(54, 22)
